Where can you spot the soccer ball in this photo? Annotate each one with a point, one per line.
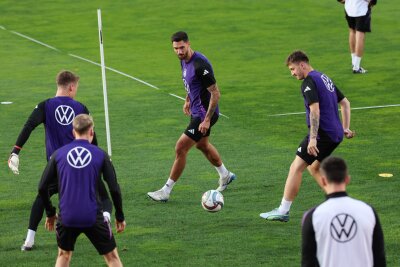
(212, 201)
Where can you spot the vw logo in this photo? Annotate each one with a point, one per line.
(64, 114)
(328, 83)
(343, 228)
(79, 157)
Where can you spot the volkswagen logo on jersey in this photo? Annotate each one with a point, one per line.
(79, 157)
(343, 227)
(328, 83)
(64, 115)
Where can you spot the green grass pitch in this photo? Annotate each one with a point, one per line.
(247, 43)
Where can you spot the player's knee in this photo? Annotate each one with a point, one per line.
(201, 146)
(112, 258)
(64, 255)
(180, 149)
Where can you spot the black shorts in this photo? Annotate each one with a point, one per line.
(324, 145)
(361, 24)
(100, 235)
(192, 130)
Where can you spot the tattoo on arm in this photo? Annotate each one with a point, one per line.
(212, 106)
(314, 124)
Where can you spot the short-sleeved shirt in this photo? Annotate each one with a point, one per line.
(356, 8)
(319, 88)
(197, 76)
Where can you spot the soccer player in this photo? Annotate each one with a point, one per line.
(342, 231)
(56, 114)
(76, 169)
(321, 98)
(202, 105)
(358, 16)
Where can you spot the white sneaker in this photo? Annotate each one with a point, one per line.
(275, 215)
(223, 182)
(159, 195)
(27, 246)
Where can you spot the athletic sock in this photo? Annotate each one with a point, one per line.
(285, 206)
(352, 58)
(167, 188)
(222, 171)
(357, 61)
(30, 237)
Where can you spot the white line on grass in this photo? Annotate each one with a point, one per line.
(97, 64)
(114, 70)
(371, 107)
(34, 40)
(177, 96)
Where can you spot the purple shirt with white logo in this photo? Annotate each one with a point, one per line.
(79, 166)
(60, 112)
(197, 76)
(76, 169)
(317, 87)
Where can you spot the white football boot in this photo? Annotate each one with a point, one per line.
(223, 182)
(159, 195)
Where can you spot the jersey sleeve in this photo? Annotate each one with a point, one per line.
(378, 246)
(308, 243)
(37, 117)
(111, 179)
(340, 95)
(204, 72)
(49, 176)
(309, 90)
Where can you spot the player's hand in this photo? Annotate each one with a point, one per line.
(13, 163)
(120, 226)
(349, 133)
(186, 108)
(204, 126)
(50, 222)
(312, 147)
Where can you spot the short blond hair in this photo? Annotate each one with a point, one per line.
(82, 123)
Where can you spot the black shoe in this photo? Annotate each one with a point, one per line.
(360, 71)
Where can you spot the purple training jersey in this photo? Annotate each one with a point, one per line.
(317, 87)
(60, 112)
(79, 167)
(197, 76)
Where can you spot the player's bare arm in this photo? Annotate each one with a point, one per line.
(215, 95)
(345, 111)
(186, 106)
(314, 126)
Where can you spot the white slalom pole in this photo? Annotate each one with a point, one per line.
(103, 75)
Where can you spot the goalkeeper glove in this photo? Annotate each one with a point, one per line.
(13, 163)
